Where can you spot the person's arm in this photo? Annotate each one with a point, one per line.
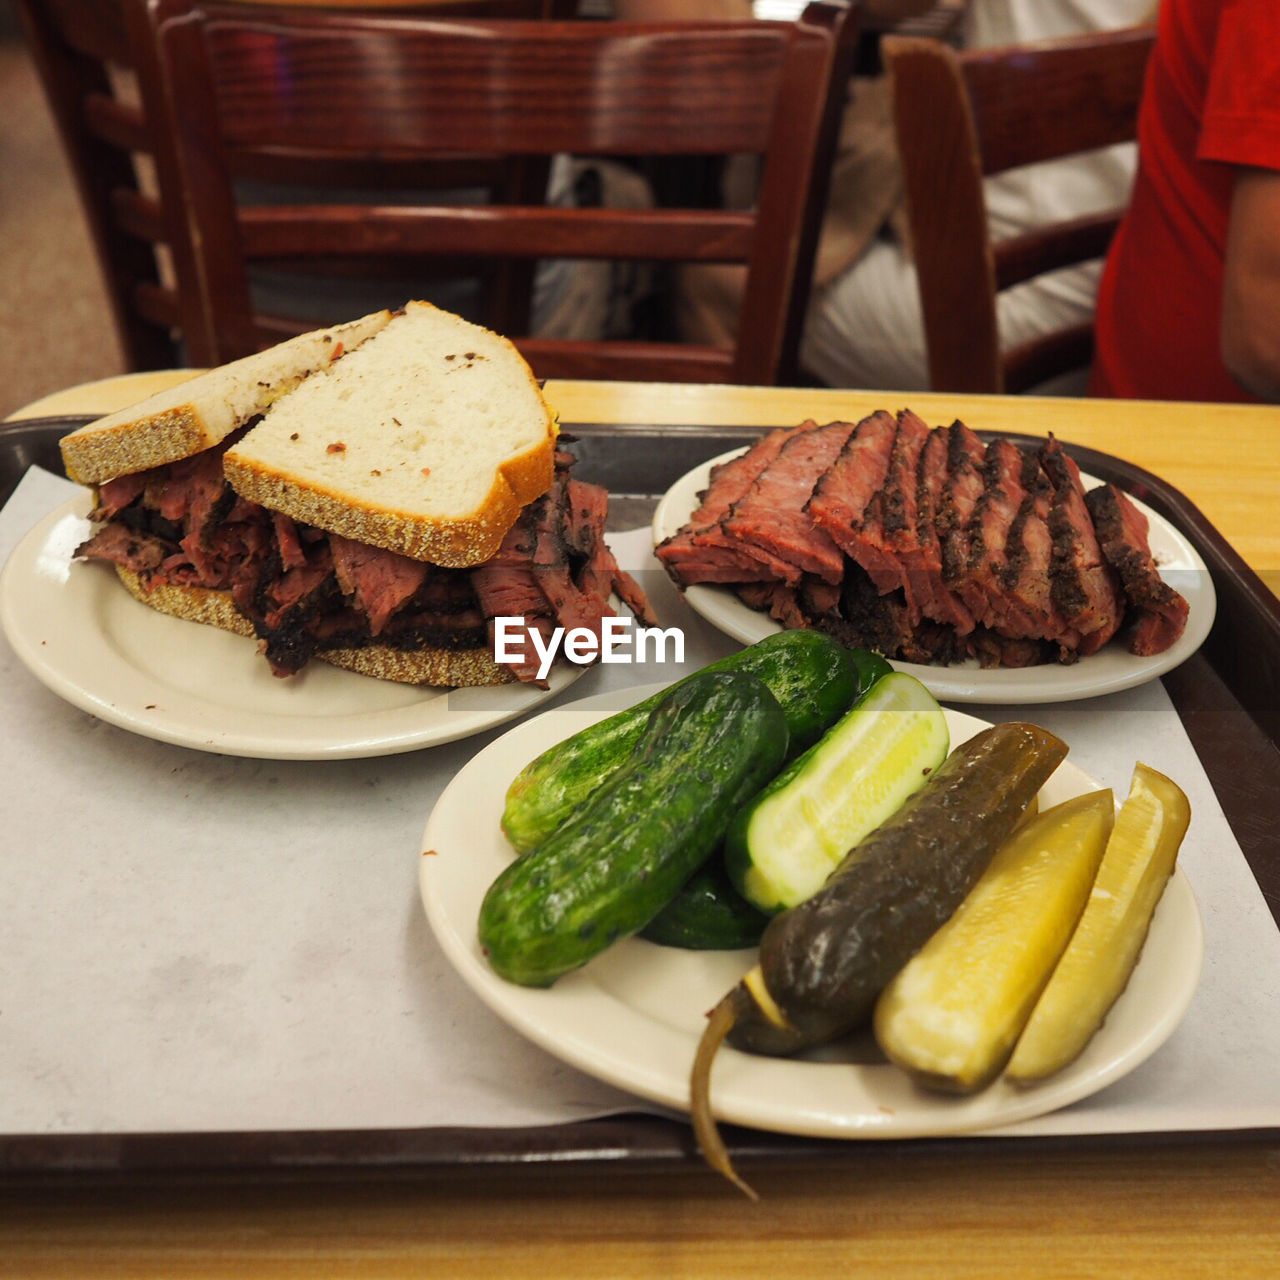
(1251, 284)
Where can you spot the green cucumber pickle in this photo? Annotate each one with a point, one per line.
(814, 678)
(709, 745)
(708, 914)
(781, 847)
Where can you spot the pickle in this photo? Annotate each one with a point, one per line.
(708, 914)
(1104, 949)
(952, 1015)
(783, 845)
(824, 962)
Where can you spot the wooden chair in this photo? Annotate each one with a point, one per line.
(87, 65)
(248, 93)
(963, 116)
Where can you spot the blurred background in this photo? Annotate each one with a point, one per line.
(54, 326)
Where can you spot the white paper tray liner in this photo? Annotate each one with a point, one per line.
(195, 942)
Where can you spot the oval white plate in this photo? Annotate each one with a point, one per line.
(86, 638)
(632, 1017)
(1108, 671)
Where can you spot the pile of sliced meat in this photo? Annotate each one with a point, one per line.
(928, 545)
(307, 591)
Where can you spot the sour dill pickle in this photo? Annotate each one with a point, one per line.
(824, 961)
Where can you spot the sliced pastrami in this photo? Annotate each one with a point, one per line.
(771, 521)
(376, 581)
(1084, 588)
(778, 599)
(842, 495)
(216, 557)
(118, 544)
(1157, 614)
(994, 650)
(881, 622)
(304, 588)
(990, 523)
(885, 542)
(554, 568)
(700, 551)
(551, 567)
(966, 459)
(188, 491)
(505, 583)
(925, 565)
(1027, 576)
(585, 515)
(289, 543)
(600, 574)
(523, 660)
(115, 495)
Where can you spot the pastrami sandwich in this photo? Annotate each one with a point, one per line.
(373, 495)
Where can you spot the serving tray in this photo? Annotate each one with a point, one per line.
(1227, 695)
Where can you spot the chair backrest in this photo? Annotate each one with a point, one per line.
(249, 92)
(85, 63)
(89, 71)
(961, 117)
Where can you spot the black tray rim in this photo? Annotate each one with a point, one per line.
(628, 1142)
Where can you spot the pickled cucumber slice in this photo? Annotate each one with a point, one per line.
(954, 1013)
(782, 846)
(1096, 965)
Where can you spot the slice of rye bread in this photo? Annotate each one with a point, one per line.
(429, 666)
(427, 440)
(201, 412)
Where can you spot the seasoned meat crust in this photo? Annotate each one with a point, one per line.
(928, 545)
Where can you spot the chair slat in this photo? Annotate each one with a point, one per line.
(90, 27)
(1056, 98)
(943, 179)
(690, 235)
(1026, 256)
(139, 215)
(161, 306)
(120, 124)
(89, 54)
(1034, 362)
(634, 361)
(670, 93)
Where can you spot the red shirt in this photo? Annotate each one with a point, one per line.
(1212, 102)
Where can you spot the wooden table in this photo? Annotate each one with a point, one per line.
(1175, 1208)
(1225, 458)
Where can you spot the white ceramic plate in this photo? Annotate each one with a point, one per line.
(87, 639)
(1108, 671)
(632, 1017)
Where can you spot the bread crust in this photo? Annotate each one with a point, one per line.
(201, 412)
(458, 543)
(439, 668)
(121, 448)
(192, 604)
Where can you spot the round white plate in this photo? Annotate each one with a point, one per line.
(632, 1017)
(1108, 671)
(92, 643)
